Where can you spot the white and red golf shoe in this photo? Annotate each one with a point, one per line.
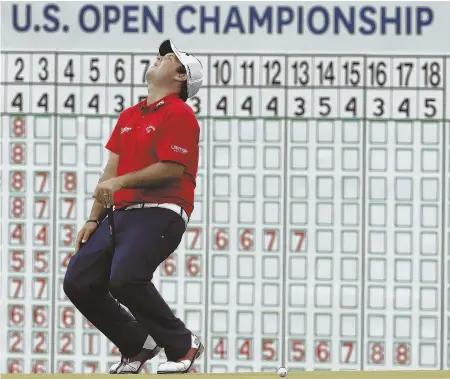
(134, 365)
(184, 364)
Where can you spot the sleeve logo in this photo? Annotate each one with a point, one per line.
(179, 149)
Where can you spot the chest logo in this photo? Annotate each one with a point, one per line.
(124, 130)
(149, 128)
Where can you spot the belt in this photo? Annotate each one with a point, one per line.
(173, 207)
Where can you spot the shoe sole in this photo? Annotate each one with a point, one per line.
(200, 350)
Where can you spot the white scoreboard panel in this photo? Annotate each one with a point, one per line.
(320, 236)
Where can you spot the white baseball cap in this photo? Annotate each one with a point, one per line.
(194, 69)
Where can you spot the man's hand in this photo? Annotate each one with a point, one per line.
(104, 192)
(84, 234)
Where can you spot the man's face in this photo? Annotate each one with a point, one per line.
(164, 70)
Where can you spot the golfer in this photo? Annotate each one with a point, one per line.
(150, 180)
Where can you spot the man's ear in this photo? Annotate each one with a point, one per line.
(181, 77)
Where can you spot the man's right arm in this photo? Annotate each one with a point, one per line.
(98, 212)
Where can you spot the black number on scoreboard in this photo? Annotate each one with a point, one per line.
(119, 103)
(247, 105)
(43, 74)
(432, 74)
(379, 102)
(146, 64)
(301, 73)
(326, 73)
(430, 107)
(43, 102)
(300, 109)
(68, 70)
(378, 75)
(119, 71)
(351, 106)
(404, 107)
(69, 103)
(94, 70)
(273, 72)
(272, 105)
(404, 70)
(196, 104)
(222, 105)
(17, 101)
(248, 73)
(93, 103)
(223, 71)
(352, 74)
(19, 63)
(325, 107)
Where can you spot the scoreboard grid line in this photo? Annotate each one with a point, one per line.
(363, 220)
(443, 221)
(284, 120)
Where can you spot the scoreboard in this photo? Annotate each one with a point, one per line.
(320, 236)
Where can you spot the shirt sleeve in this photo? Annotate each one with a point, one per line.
(113, 143)
(179, 139)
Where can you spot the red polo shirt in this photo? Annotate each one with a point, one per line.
(166, 130)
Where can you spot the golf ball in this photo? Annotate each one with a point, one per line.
(282, 372)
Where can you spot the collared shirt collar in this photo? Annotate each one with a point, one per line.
(157, 104)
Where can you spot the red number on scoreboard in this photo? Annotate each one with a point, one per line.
(297, 352)
(16, 315)
(16, 260)
(15, 366)
(269, 350)
(347, 349)
(65, 367)
(220, 350)
(66, 343)
(298, 239)
(69, 182)
(39, 367)
(41, 262)
(87, 324)
(67, 234)
(246, 237)
(41, 235)
(169, 267)
(245, 350)
(40, 316)
(41, 208)
(16, 232)
(18, 128)
(220, 239)
(17, 181)
(40, 342)
(192, 239)
(322, 351)
(17, 207)
(402, 353)
(90, 341)
(16, 288)
(66, 317)
(193, 265)
(270, 240)
(40, 288)
(376, 353)
(90, 367)
(17, 155)
(68, 208)
(41, 181)
(15, 342)
(65, 257)
(113, 349)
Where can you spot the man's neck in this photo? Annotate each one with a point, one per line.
(155, 94)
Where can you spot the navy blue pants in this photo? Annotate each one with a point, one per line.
(99, 279)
